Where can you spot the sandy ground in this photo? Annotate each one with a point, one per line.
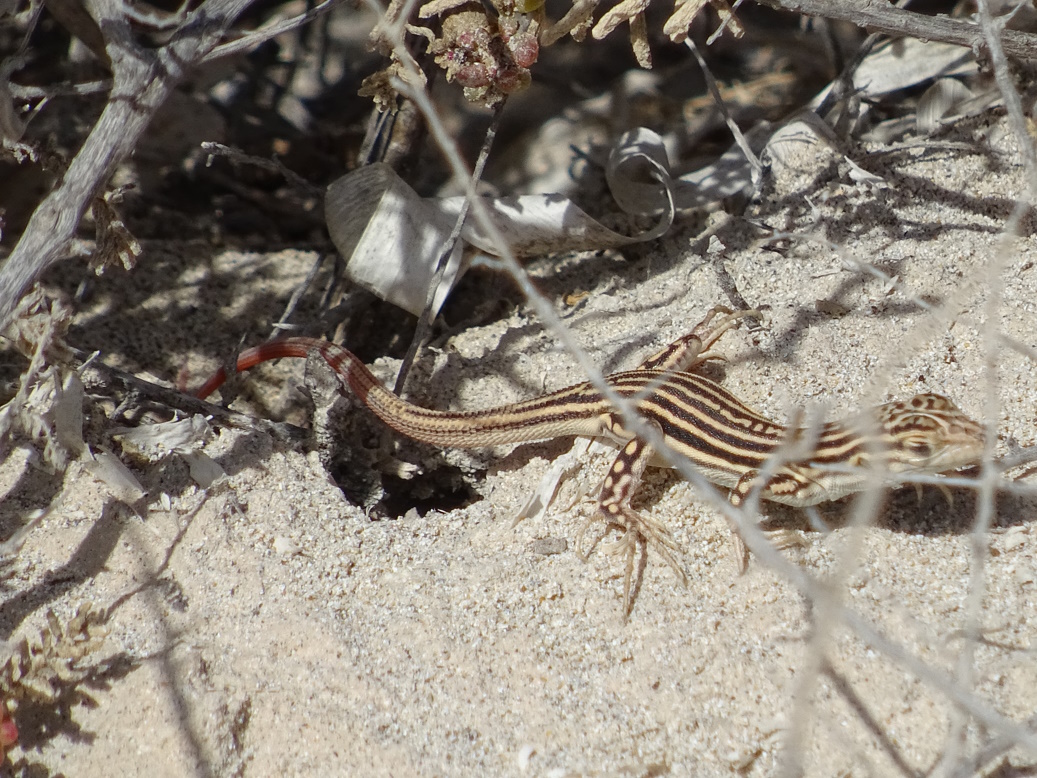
(266, 626)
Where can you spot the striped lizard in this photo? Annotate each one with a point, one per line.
(729, 443)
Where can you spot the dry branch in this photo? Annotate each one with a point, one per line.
(888, 19)
(98, 375)
(142, 80)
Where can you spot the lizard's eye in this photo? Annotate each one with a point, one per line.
(922, 448)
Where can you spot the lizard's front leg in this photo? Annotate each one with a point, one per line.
(789, 480)
(690, 351)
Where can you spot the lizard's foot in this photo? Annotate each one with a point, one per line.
(781, 539)
(709, 332)
(641, 532)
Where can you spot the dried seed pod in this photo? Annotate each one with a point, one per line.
(512, 80)
(524, 48)
(472, 75)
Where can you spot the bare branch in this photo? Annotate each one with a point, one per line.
(97, 372)
(253, 39)
(879, 17)
(142, 81)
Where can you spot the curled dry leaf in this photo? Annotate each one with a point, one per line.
(116, 245)
(365, 206)
(372, 202)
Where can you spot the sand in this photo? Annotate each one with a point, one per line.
(267, 626)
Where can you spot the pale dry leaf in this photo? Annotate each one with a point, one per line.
(156, 441)
(576, 21)
(120, 481)
(12, 127)
(622, 12)
(940, 104)
(869, 181)
(184, 437)
(639, 41)
(905, 62)
(371, 203)
(437, 7)
(544, 494)
(66, 415)
(205, 471)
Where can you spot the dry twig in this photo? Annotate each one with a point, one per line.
(888, 19)
(142, 80)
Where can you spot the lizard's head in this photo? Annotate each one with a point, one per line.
(928, 434)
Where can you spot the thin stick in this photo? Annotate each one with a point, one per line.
(176, 400)
(282, 323)
(253, 39)
(879, 17)
(421, 331)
